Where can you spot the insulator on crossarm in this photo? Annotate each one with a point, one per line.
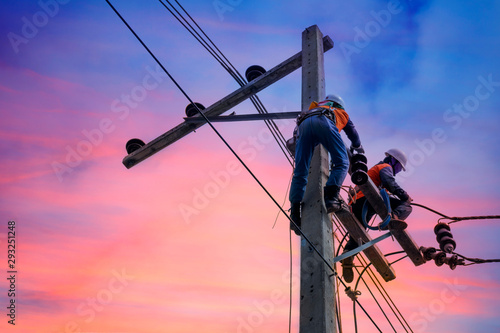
(428, 252)
(254, 72)
(453, 261)
(359, 169)
(440, 258)
(445, 238)
(192, 110)
(133, 144)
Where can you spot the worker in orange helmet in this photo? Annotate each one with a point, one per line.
(383, 175)
(321, 124)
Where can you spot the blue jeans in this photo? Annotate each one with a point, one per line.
(402, 209)
(313, 131)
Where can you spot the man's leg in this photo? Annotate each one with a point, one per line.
(303, 154)
(402, 209)
(332, 141)
(347, 263)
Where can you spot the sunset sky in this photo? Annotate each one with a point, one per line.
(184, 241)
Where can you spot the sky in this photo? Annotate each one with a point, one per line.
(186, 240)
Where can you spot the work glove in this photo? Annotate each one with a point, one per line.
(359, 149)
(291, 144)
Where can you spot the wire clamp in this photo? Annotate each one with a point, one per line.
(352, 294)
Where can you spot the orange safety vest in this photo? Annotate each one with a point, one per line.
(341, 117)
(374, 174)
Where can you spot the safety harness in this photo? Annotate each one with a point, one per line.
(319, 111)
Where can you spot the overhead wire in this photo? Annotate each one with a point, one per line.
(397, 313)
(454, 219)
(374, 278)
(476, 260)
(229, 67)
(313, 247)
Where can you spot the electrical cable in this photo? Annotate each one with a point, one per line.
(455, 219)
(374, 277)
(375, 281)
(477, 260)
(373, 296)
(467, 218)
(393, 307)
(228, 66)
(241, 82)
(390, 302)
(238, 157)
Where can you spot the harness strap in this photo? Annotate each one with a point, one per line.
(317, 112)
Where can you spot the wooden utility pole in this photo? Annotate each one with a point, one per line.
(317, 287)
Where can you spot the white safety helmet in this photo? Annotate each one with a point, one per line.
(399, 155)
(335, 98)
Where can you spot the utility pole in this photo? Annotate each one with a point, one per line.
(317, 287)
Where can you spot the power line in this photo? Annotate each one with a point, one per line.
(454, 219)
(476, 260)
(229, 67)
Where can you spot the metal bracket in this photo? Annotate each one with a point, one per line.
(244, 117)
(361, 248)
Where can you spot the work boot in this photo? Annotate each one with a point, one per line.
(331, 196)
(295, 216)
(347, 272)
(395, 224)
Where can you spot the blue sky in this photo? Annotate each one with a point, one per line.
(422, 76)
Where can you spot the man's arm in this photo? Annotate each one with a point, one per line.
(389, 182)
(352, 134)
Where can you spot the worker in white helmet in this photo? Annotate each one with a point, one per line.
(321, 124)
(382, 175)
